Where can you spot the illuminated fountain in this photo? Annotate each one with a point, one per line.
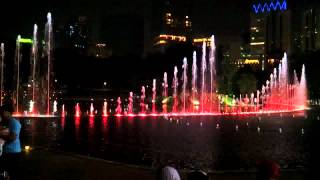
(77, 110)
(175, 85)
(212, 71)
(154, 96)
(203, 76)
(301, 99)
(17, 77)
(34, 61)
(105, 109)
(32, 98)
(119, 108)
(91, 110)
(31, 106)
(277, 95)
(48, 51)
(55, 107)
(142, 99)
(194, 82)
(130, 105)
(185, 81)
(165, 93)
(63, 112)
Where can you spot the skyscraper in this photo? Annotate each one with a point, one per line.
(270, 30)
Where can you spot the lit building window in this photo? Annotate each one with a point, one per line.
(188, 23)
(168, 18)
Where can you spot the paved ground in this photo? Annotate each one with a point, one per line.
(46, 165)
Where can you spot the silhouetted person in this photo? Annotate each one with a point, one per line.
(197, 175)
(12, 148)
(167, 173)
(268, 170)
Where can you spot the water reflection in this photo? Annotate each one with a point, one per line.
(218, 142)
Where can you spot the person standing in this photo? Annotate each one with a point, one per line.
(12, 148)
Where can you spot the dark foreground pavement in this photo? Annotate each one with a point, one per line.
(47, 165)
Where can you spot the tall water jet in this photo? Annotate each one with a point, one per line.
(91, 110)
(63, 112)
(105, 108)
(1, 73)
(175, 84)
(165, 85)
(119, 108)
(212, 70)
(55, 107)
(77, 110)
(284, 69)
(142, 98)
(17, 65)
(34, 56)
(185, 82)
(302, 89)
(203, 76)
(130, 105)
(154, 95)
(284, 79)
(31, 106)
(165, 92)
(49, 50)
(295, 78)
(194, 79)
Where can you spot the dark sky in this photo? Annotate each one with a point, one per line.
(221, 16)
(209, 16)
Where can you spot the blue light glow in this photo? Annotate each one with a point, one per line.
(272, 6)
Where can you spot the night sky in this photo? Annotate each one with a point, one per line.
(218, 16)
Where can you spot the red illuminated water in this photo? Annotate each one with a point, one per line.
(277, 95)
